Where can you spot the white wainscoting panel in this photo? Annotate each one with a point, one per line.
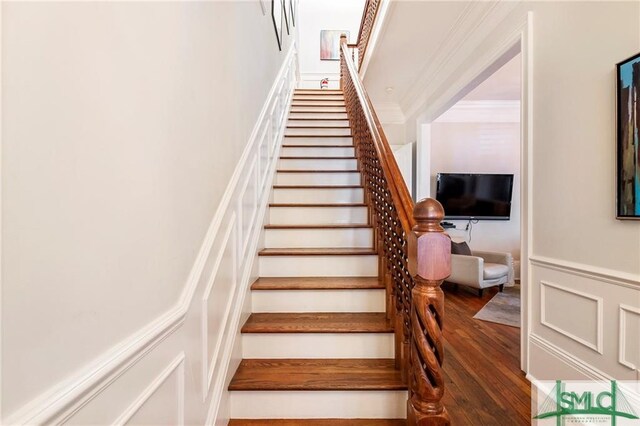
(584, 325)
(629, 336)
(585, 322)
(142, 380)
(162, 403)
(216, 303)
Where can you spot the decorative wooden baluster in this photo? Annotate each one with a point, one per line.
(429, 264)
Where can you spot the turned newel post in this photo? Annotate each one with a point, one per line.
(343, 40)
(429, 264)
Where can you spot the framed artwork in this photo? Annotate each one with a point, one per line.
(276, 14)
(292, 12)
(263, 6)
(628, 144)
(330, 44)
(286, 9)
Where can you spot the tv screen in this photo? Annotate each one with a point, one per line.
(475, 196)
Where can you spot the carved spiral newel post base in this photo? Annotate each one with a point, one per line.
(429, 265)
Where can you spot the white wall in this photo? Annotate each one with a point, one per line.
(477, 147)
(317, 15)
(122, 126)
(580, 256)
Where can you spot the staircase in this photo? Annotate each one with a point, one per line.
(318, 349)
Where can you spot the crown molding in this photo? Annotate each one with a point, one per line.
(475, 23)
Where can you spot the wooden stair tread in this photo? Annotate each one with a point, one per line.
(316, 374)
(346, 251)
(321, 226)
(317, 186)
(318, 322)
(317, 205)
(317, 422)
(317, 283)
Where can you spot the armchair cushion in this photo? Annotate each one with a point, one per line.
(492, 271)
(482, 269)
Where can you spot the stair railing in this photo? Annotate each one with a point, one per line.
(366, 27)
(414, 253)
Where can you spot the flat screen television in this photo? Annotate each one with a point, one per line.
(475, 196)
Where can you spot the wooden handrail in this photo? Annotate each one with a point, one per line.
(413, 250)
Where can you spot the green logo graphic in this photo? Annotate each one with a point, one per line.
(598, 405)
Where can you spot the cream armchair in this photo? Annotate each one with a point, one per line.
(482, 269)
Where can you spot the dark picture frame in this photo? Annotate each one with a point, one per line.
(286, 15)
(277, 8)
(628, 139)
(292, 12)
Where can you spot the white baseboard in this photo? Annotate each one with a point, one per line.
(559, 359)
(234, 233)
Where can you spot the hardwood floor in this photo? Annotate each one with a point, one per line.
(485, 385)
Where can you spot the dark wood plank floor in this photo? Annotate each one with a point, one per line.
(484, 383)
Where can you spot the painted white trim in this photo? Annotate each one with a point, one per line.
(622, 335)
(176, 365)
(569, 359)
(377, 31)
(317, 76)
(609, 276)
(1, 233)
(208, 363)
(526, 185)
(68, 396)
(598, 345)
(234, 326)
(476, 15)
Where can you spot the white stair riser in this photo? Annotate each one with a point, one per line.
(317, 164)
(324, 116)
(315, 215)
(317, 345)
(338, 140)
(315, 102)
(368, 300)
(318, 123)
(318, 404)
(318, 179)
(319, 132)
(319, 266)
(319, 97)
(319, 238)
(318, 195)
(316, 108)
(347, 151)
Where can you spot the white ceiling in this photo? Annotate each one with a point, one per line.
(417, 40)
(413, 33)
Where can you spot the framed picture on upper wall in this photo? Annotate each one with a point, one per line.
(330, 44)
(628, 144)
(276, 14)
(292, 12)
